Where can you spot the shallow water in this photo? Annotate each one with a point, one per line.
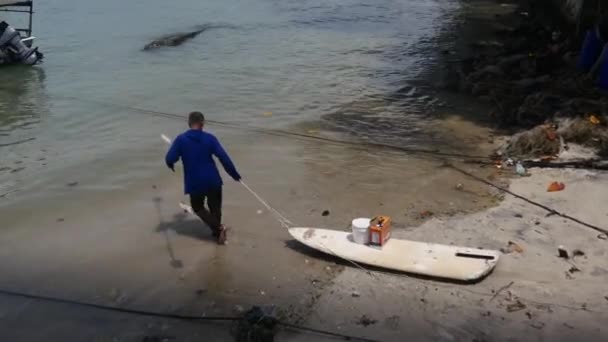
(349, 63)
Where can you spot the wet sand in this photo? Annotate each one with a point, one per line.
(127, 243)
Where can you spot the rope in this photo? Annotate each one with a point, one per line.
(542, 206)
(284, 133)
(17, 142)
(118, 309)
(293, 326)
(285, 223)
(171, 316)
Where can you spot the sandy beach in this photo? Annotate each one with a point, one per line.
(547, 298)
(89, 212)
(129, 261)
(127, 243)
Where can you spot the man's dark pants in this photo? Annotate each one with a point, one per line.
(212, 216)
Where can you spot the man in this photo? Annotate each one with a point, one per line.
(202, 180)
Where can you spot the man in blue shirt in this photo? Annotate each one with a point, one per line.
(202, 180)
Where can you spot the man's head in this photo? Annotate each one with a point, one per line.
(196, 120)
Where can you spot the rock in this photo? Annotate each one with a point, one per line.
(366, 321)
(425, 214)
(72, 184)
(532, 82)
(459, 186)
(577, 253)
(60, 219)
(603, 236)
(325, 213)
(568, 326)
(512, 247)
(537, 325)
(574, 269)
(239, 309)
(356, 294)
(517, 306)
(563, 253)
(518, 215)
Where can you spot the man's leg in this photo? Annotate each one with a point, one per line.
(198, 205)
(214, 201)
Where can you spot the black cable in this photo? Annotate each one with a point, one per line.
(117, 309)
(402, 149)
(172, 316)
(17, 142)
(370, 144)
(284, 133)
(550, 210)
(346, 337)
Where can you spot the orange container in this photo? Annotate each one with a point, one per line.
(379, 230)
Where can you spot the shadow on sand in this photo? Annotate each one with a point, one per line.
(180, 225)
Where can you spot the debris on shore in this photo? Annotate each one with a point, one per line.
(529, 75)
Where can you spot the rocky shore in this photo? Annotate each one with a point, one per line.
(528, 73)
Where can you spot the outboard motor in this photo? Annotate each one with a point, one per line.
(14, 49)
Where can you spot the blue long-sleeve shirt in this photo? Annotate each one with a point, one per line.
(196, 149)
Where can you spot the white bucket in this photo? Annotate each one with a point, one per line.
(360, 228)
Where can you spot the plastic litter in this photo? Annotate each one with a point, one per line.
(520, 169)
(594, 119)
(556, 186)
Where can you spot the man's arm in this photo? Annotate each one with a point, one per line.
(173, 154)
(221, 154)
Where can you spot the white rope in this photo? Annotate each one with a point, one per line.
(288, 224)
(285, 223)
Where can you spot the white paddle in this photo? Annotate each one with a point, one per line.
(166, 139)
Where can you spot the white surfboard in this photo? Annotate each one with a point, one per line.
(442, 261)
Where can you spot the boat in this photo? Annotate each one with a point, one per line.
(16, 43)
